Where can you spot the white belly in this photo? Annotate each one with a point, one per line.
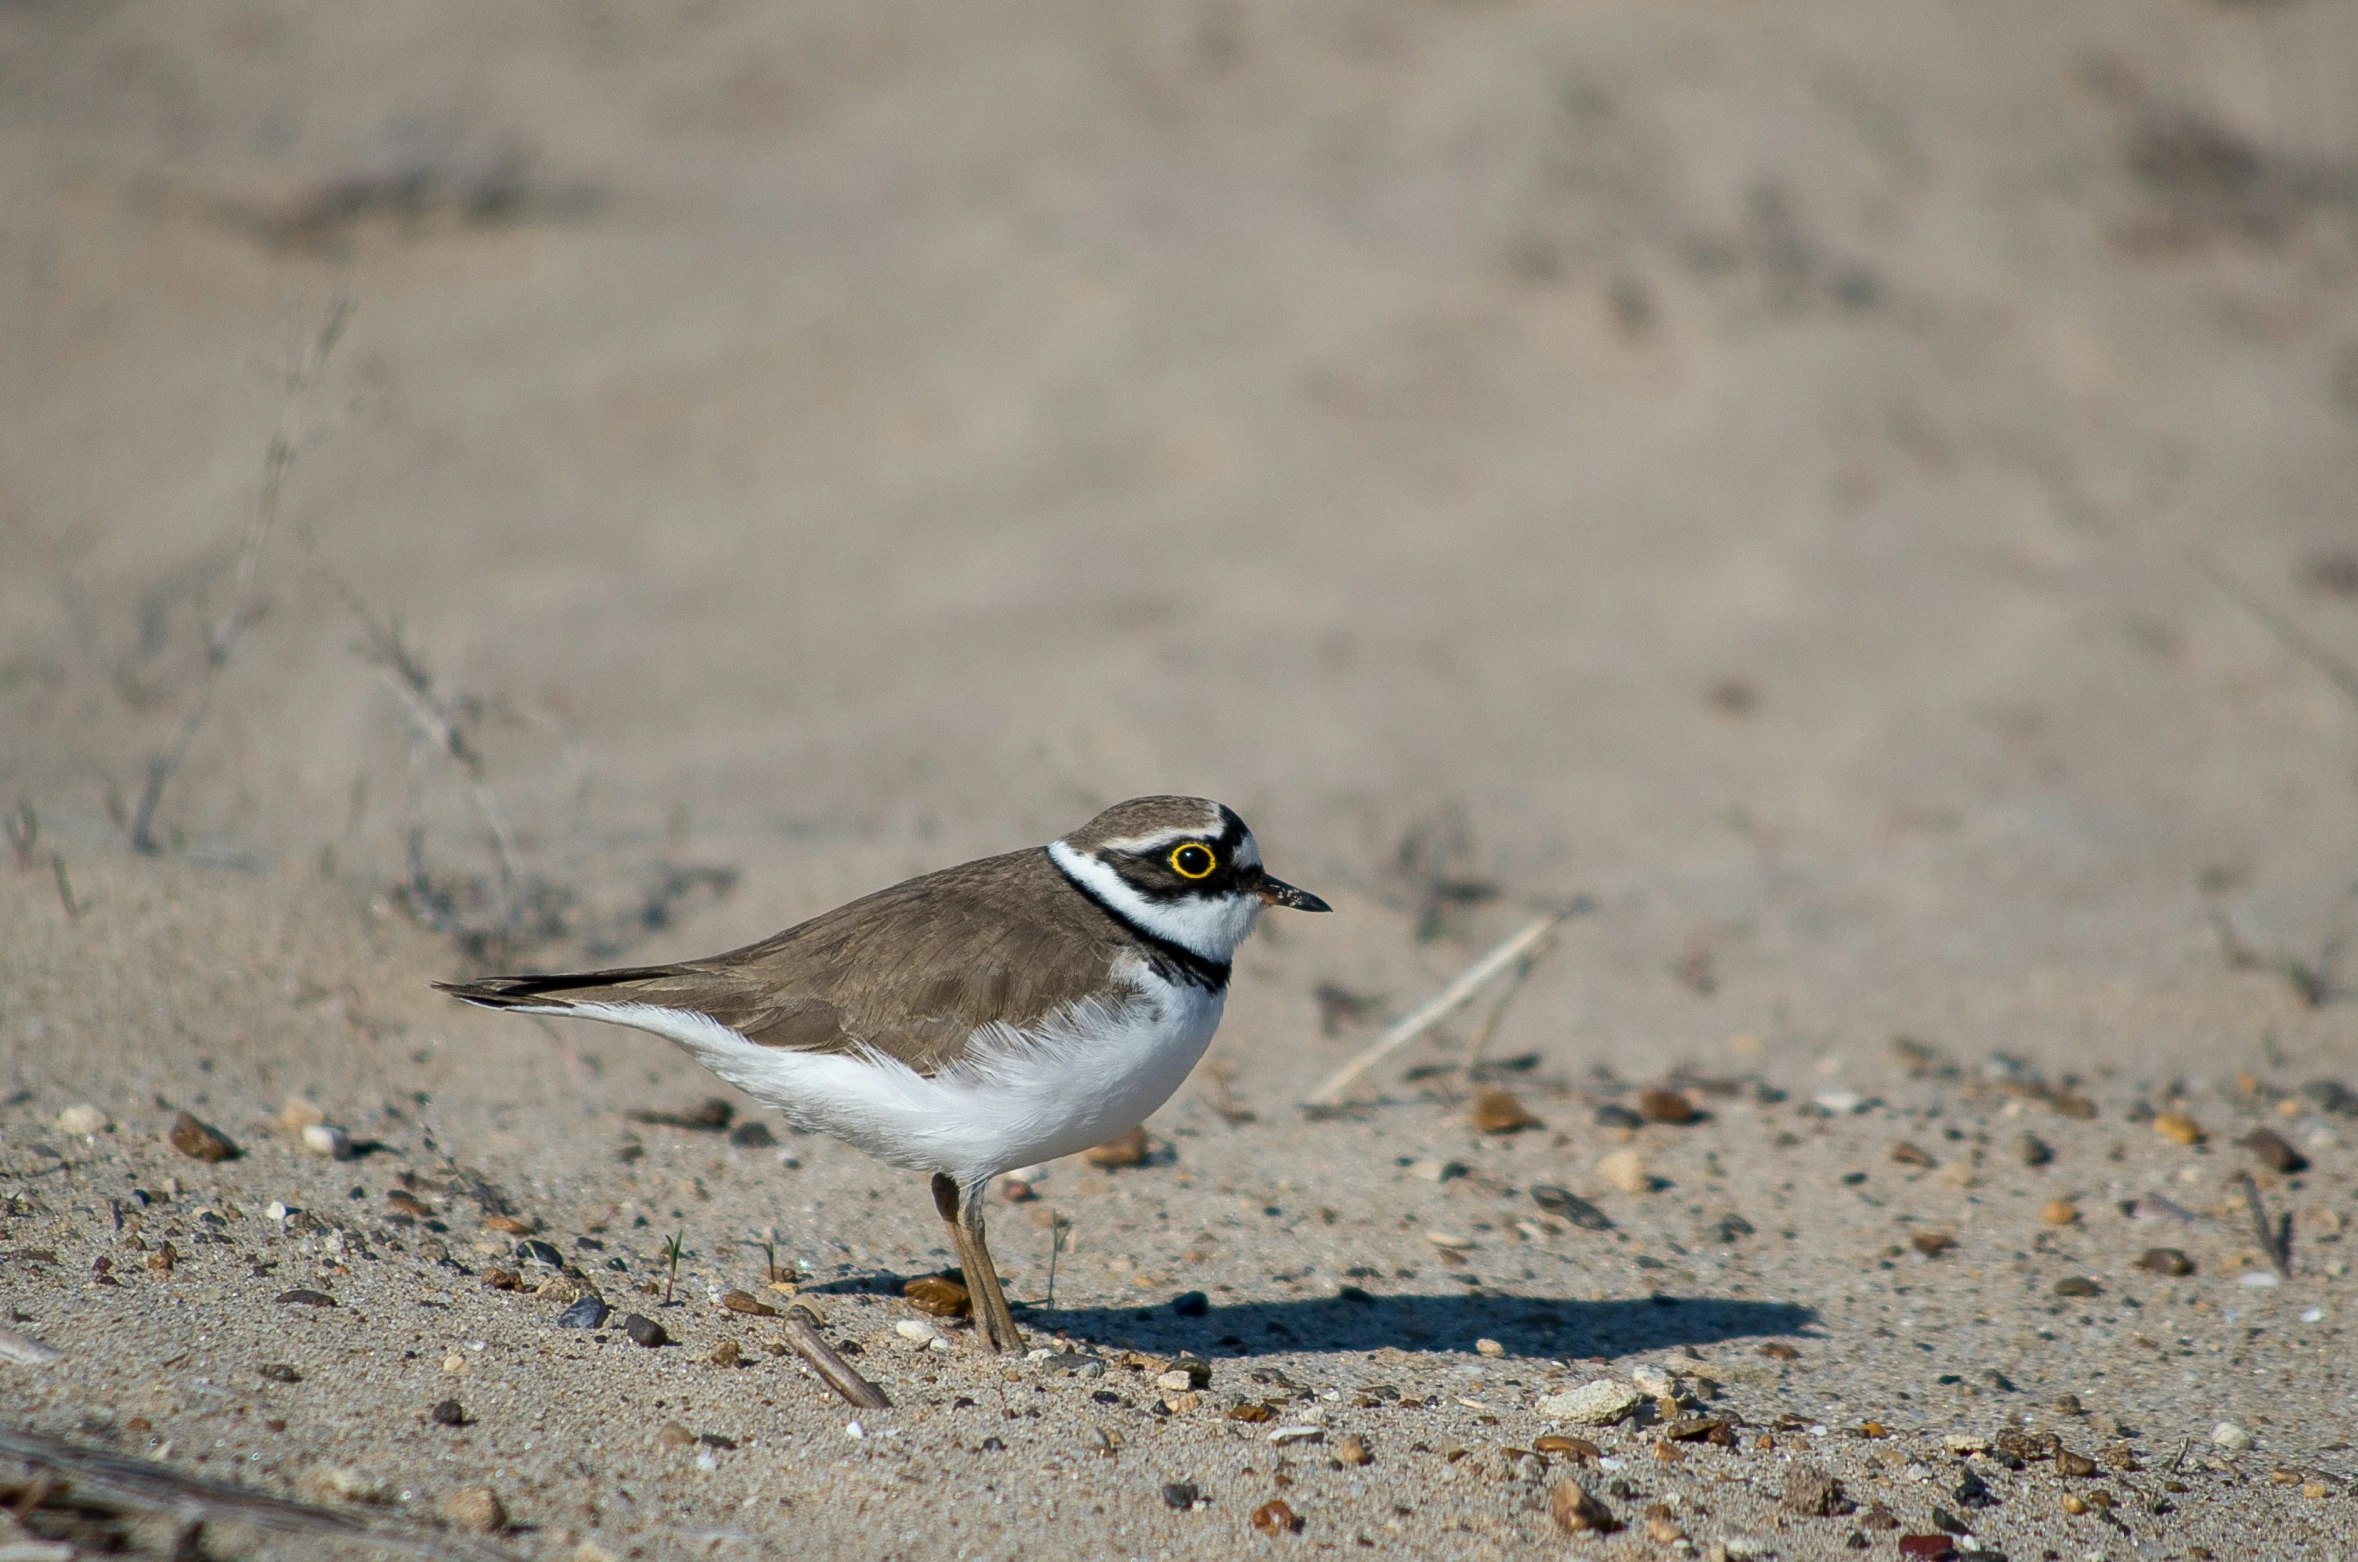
(1015, 1099)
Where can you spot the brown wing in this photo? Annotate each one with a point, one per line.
(911, 970)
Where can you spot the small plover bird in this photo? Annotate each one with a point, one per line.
(993, 1015)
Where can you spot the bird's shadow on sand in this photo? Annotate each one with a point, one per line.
(1525, 1325)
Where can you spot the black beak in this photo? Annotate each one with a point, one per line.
(1277, 892)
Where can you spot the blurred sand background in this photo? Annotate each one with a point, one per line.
(1862, 492)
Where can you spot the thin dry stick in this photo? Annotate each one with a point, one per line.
(802, 1332)
(1441, 1005)
(2290, 635)
(1499, 1006)
(156, 1488)
(2275, 1240)
(222, 636)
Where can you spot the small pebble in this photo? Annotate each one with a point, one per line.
(477, 1508)
(673, 1435)
(1436, 1171)
(2059, 1212)
(2274, 1152)
(644, 1331)
(1489, 1348)
(1128, 1150)
(1352, 1449)
(497, 1279)
(2077, 1285)
(744, 1302)
(2165, 1261)
(1190, 1304)
(1910, 1155)
(2077, 1465)
(200, 1141)
(544, 1254)
(1181, 1495)
(1275, 1518)
(1598, 1403)
(589, 1313)
(2231, 1437)
(280, 1372)
(752, 1136)
(728, 1353)
(937, 1295)
(2258, 1280)
(163, 1258)
(82, 1119)
(2074, 1503)
(1285, 1436)
(1579, 1450)
(510, 1225)
(1447, 1239)
(916, 1332)
(1932, 1243)
(1498, 1112)
(2032, 1150)
(1659, 1105)
(300, 1113)
(448, 1412)
(301, 1297)
(1564, 1202)
(1578, 1513)
(1611, 1116)
(2178, 1128)
(328, 1140)
(1626, 1170)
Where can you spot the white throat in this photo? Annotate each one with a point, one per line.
(1211, 928)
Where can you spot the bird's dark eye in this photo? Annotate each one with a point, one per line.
(1194, 861)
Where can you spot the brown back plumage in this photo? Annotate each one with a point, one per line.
(910, 971)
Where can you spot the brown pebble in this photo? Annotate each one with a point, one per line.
(1352, 1449)
(1498, 1112)
(477, 1508)
(502, 1280)
(1910, 1155)
(2066, 1104)
(2178, 1128)
(1661, 1528)
(1932, 1243)
(1578, 1513)
(939, 1296)
(1878, 1516)
(410, 1204)
(2059, 1212)
(1127, 1150)
(2032, 1150)
(511, 1225)
(448, 1412)
(644, 1331)
(1578, 1450)
(1778, 1350)
(673, 1435)
(163, 1258)
(2069, 1463)
(1275, 1518)
(1660, 1105)
(200, 1141)
(727, 1354)
(2077, 1285)
(2165, 1261)
(2281, 1476)
(1667, 1452)
(2314, 1490)
(2073, 1503)
(2275, 1152)
(1249, 1411)
(742, 1302)
(300, 1297)
(1811, 1491)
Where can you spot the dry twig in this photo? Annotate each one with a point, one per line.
(154, 1488)
(802, 1332)
(221, 637)
(1530, 943)
(2275, 1236)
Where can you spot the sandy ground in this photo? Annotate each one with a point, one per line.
(1860, 492)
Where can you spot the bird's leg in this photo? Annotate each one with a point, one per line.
(961, 1211)
(992, 1313)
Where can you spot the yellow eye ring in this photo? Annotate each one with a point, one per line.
(1194, 860)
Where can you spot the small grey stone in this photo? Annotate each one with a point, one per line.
(644, 1331)
(1181, 1495)
(2032, 1150)
(1078, 1363)
(1600, 1403)
(535, 1251)
(448, 1413)
(1811, 1491)
(1190, 1304)
(1569, 1205)
(1611, 1116)
(588, 1313)
(2077, 1285)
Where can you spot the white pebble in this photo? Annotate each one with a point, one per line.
(2231, 1437)
(328, 1139)
(1600, 1403)
(1437, 1171)
(911, 1329)
(1286, 1435)
(2258, 1280)
(82, 1119)
(2312, 1315)
(1657, 1383)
